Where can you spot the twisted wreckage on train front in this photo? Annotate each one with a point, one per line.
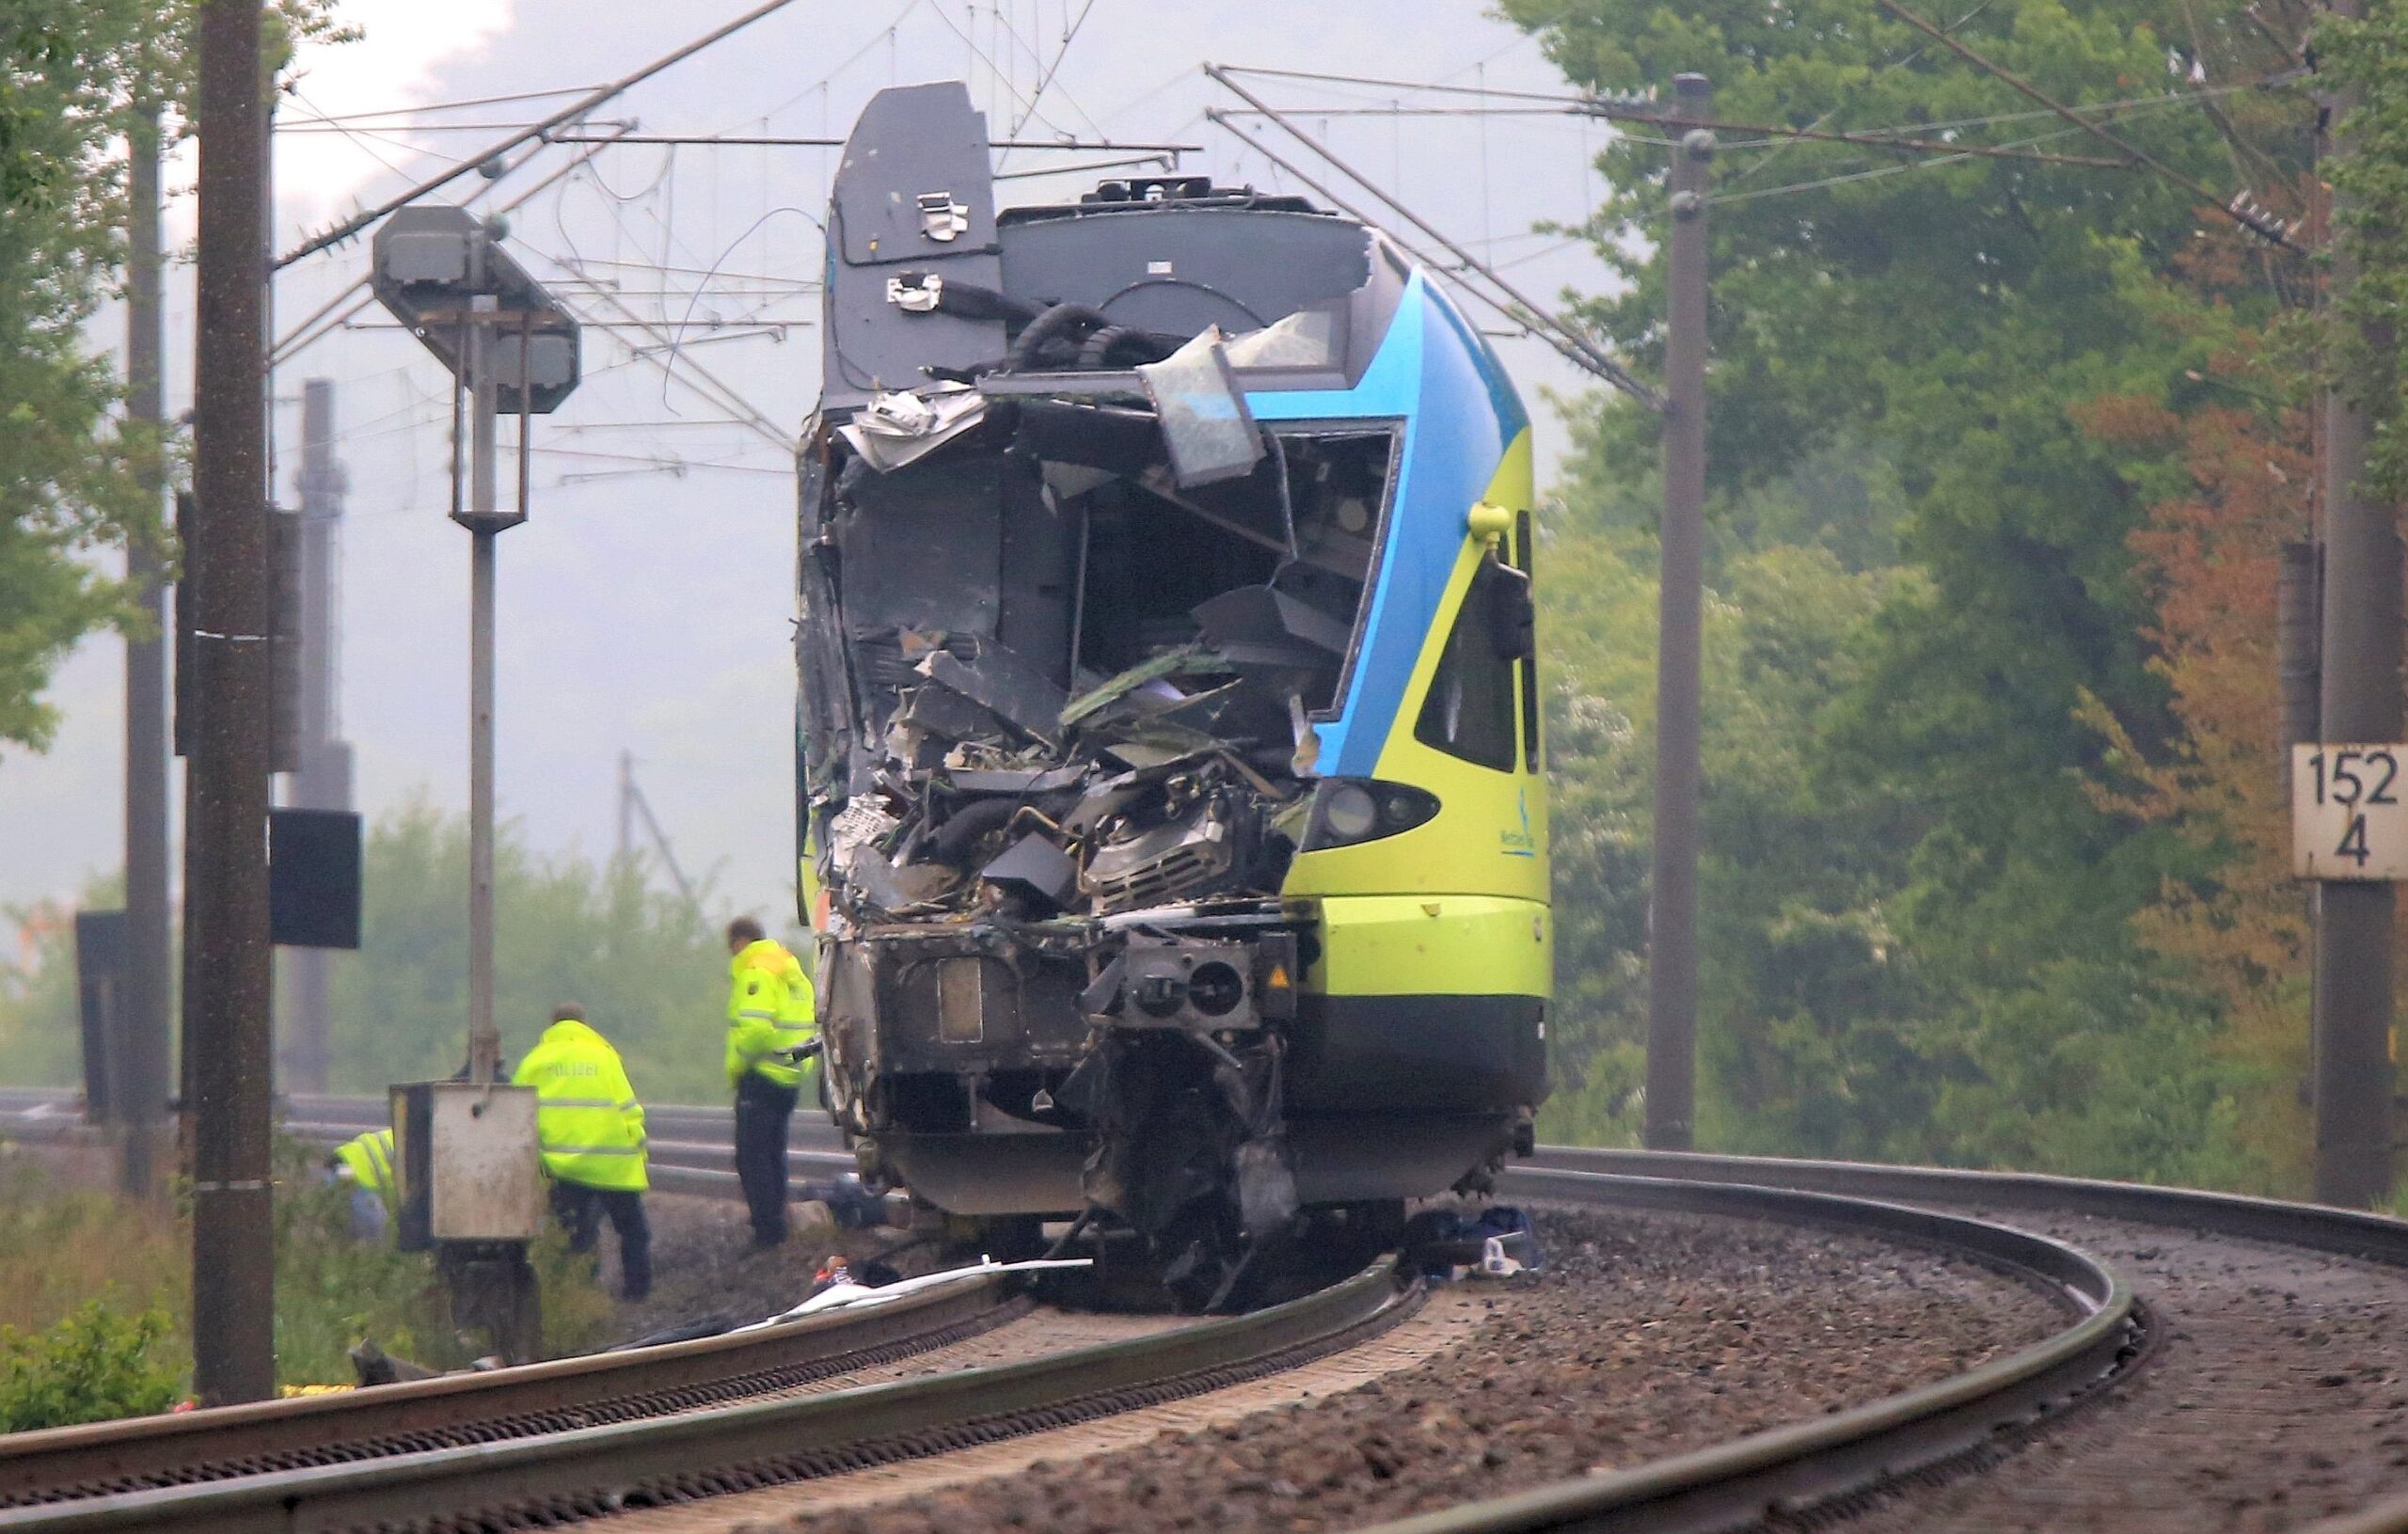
(1173, 823)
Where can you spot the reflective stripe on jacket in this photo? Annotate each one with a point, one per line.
(587, 1116)
(770, 1009)
(371, 1160)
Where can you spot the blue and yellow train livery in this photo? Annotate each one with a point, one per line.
(1174, 827)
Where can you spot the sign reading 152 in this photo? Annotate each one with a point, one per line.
(2349, 811)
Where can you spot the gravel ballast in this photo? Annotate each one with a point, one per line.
(1648, 1335)
(2278, 1396)
(704, 1264)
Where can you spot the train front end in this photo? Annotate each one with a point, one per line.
(1173, 823)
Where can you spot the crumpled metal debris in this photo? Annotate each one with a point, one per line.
(848, 1296)
(1497, 1243)
(899, 427)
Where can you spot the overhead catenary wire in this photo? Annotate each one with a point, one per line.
(997, 72)
(1576, 345)
(1160, 162)
(1767, 133)
(1564, 100)
(1572, 348)
(1848, 88)
(1045, 81)
(1842, 178)
(509, 99)
(780, 141)
(303, 335)
(581, 107)
(2273, 232)
(700, 379)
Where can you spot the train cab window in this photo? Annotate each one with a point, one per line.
(1469, 712)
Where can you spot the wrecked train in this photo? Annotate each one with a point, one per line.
(1173, 823)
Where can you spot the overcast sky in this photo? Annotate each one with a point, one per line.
(645, 607)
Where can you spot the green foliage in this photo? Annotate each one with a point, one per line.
(68, 72)
(73, 74)
(650, 970)
(61, 1246)
(94, 1365)
(579, 1313)
(333, 1290)
(1797, 988)
(1918, 915)
(2371, 192)
(40, 1042)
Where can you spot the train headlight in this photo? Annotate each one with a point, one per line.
(1347, 810)
(1349, 813)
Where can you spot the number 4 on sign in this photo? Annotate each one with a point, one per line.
(2349, 811)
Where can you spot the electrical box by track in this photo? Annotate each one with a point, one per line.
(470, 1164)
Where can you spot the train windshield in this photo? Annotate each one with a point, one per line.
(1039, 612)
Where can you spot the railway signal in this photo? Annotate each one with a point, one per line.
(508, 345)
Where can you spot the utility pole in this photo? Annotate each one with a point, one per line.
(627, 805)
(322, 779)
(227, 1034)
(2361, 702)
(141, 1062)
(632, 804)
(1671, 962)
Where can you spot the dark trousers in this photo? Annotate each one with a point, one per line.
(763, 1109)
(581, 1208)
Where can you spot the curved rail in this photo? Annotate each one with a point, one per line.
(2355, 1233)
(104, 1459)
(588, 1471)
(1805, 1464)
(1785, 1468)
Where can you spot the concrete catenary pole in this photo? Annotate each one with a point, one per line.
(322, 781)
(1672, 963)
(226, 548)
(2361, 702)
(484, 1039)
(141, 1089)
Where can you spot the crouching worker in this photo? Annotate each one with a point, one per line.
(365, 1165)
(592, 1129)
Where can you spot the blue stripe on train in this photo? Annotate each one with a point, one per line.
(1460, 414)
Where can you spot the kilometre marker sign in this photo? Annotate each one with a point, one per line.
(2349, 811)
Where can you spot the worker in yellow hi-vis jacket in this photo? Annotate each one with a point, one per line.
(592, 1129)
(771, 1016)
(366, 1162)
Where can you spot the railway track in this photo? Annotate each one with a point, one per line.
(524, 1461)
(1852, 1461)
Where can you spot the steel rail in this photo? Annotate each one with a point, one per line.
(654, 1459)
(2352, 1233)
(1795, 1467)
(1879, 1443)
(688, 1135)
(1788, 1469)
(102, 1460)
(589, 1471)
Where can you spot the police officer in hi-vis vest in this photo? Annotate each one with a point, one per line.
(591, 1127)
(770, 1015)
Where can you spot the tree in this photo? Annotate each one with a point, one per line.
(1950, 320)
(40, 1038)
(65, 71)
(73, 76)
(650, 970)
